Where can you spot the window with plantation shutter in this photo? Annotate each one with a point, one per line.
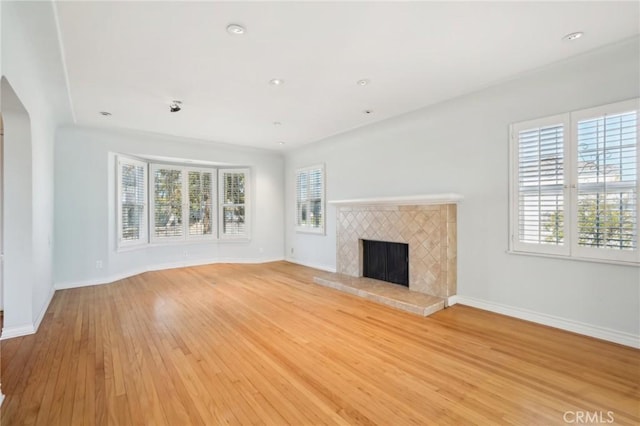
(167, 203)
(606, 152)
(132, 202)
(201, 184)
(541, 184)
(182, 203)
(310, 199)
(234, 196)
(574, 184)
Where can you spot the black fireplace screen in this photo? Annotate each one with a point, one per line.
(386, 261)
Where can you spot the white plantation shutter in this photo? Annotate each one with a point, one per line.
(234, 196)
(182, 203)
(132, 201)
(574, 184)
(167, 212)
(310, 215)
(540, 185)
(201, 184)
(606, 149)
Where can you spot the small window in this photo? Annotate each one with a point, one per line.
(234, 196)
(132, 202)
(310, 215)
(574, 184)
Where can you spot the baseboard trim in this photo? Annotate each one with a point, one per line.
(157, 267)
(312, 265)
(452, 300)
(22, 330)
(610, 335)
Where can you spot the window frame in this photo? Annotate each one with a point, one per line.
(319, 230)
(147, 226)
(571, 248)
(605, 253)
(516, 243)
(247, 204)
(144, 225)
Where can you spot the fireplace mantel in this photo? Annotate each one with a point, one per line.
(411, 200)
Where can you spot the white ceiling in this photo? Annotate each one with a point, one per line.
(133, 58)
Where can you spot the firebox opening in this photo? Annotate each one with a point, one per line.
(386, 261)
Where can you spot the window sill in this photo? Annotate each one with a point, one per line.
(181, 243)
(320, 232)
(574, 258)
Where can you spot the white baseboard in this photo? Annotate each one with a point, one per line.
(452, 300)
(326, 268)
(603, 333)
(157, 267)
(25, 330)
(21, 330)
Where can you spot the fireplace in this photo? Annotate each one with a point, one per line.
(427, 224)
(386, 261)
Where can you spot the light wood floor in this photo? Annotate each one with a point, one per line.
(261, 344)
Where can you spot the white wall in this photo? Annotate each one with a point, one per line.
(32, 66)
(461, 146)
(85, 208)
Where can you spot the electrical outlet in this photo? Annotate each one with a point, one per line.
(186, 253)
(99, 264)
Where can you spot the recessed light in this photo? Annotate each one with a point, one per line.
(276, 81)
(573, 36)
(280, 143)
(277, 123)
(368, 111)
(363, 82)
(105, 113)
(235, 29)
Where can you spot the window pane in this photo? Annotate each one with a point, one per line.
(541, 218)
(233, 220)
(309, 197)
(168, 203)
(234, 188)
(607, 181)
(607, 149)
(132, 217)
(540, 185)
(233, 199)
(132, 194)
(200, 203)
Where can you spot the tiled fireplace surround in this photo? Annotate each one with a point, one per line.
(430, 231)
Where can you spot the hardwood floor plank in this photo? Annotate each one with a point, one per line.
(262, 344)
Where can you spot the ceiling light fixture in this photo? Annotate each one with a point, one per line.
(276, 82)
(175, 106)
(280, 143)
(573, 36)
(105, 113)
(277, 123)
(363, 82)
(235, 29)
